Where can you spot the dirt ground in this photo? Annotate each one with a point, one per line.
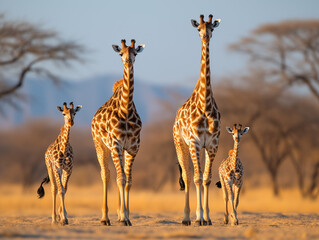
(157, 216)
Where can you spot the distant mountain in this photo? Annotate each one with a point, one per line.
(44, 96)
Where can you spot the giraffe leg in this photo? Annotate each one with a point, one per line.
(61, 192)
(129, 159)
(53, 192)
(119, 205)
(198, 180)
(209, 158)
(65, 179)
(225, 196)
(183, 159)
(232, 197)
(102, 153)
(236, 201)
(117, 156)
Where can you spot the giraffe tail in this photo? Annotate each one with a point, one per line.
(181, 181)
(41, 189)
(218, 184)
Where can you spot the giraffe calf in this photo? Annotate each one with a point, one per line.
(59, 162)
(231, 173)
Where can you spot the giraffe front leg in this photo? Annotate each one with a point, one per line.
(209, 158)
(234, 212)
(225, 197)
(236, 201)
(61, 192)
(198, 180)
(102, 153)
(129, 159)
(117, 156)
(182, 155)
(53, 191)
(66, 174)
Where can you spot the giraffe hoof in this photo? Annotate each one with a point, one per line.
(235, 223)
(106, 222)
(186, 222)
(125, 223)
(225, 221)
(208, 222)
(199, 223)
(64, 222)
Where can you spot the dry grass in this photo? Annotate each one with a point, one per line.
(157, 215)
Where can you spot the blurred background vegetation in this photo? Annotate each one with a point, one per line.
(277, 96)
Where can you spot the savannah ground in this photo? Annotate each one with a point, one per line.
(156, 215)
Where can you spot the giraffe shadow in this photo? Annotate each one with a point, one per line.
(167, 222)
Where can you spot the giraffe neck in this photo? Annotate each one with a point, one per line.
(234, 156)
(126, 97)
(63, 139)
(204, 94)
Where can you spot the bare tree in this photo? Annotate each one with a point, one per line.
(27, 48)
(288, 51)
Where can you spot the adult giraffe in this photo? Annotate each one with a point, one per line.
(116, 130)
(197, 127)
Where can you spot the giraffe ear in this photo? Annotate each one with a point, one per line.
(116, 48)
(216, 23)
(229, 130)
(78, 108)
(246, 129)
(59, 108)
(194, 23)
(140, 48)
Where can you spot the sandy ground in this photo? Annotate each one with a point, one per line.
(157, 216)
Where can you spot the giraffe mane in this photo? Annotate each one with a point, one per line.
(117, 84)
(230, 152)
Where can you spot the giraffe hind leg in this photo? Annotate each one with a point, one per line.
(183, 159)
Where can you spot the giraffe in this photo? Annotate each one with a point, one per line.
(59, 162)
(197, 128)
(231, 173)
(116, 130)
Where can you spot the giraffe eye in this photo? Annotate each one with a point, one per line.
(121, 54)
(198, 29)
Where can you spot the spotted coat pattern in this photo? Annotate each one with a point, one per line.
(231, 173)
(116, 130)
(196, 128)
(59, 162)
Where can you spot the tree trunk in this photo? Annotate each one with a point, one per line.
(274, 180)
(313, 190)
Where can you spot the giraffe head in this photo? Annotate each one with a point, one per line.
(205, 29)
(128, 53)
(237, 132)
(69, 113)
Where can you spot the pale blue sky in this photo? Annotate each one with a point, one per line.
(173, 47)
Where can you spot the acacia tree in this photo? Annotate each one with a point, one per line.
(288, 51)
(283, 126)
(257, 104)
(27, 48)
